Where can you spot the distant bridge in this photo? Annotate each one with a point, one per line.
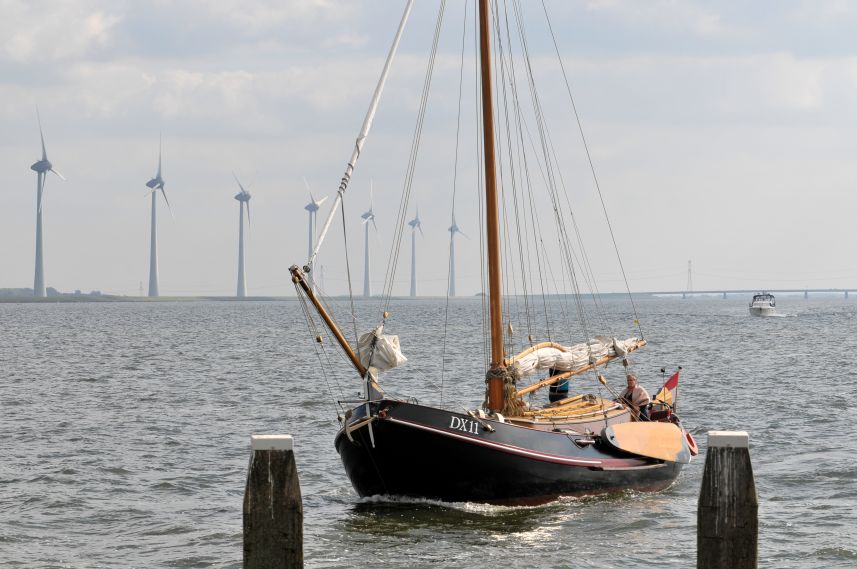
(805, 291)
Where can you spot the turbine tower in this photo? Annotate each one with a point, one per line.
(312, 207)
(41, 168)
(155, 184)
(367, 217)
(453, 229)
(243, 197)
(415, 224)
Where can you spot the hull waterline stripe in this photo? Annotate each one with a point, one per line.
(501, 446)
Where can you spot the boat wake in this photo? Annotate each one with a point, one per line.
(480, 508)
(467, 507)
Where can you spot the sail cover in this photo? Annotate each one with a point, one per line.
(380, 350)
(571, 358)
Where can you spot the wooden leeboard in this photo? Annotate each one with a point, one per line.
(663, 441)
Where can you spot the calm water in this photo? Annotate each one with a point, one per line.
(126, 436)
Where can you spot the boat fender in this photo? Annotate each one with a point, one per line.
(691, 443)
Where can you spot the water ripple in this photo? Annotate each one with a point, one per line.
(131, 426)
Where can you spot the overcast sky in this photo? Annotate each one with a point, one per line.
(722, 133)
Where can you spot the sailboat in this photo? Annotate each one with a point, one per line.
(506, 450)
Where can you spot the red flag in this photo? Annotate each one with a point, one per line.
(667, 393)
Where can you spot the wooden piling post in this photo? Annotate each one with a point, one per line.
(727, 514)
(273, 509)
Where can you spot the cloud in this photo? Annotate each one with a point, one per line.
(260, 17)
(673, 89)
(663, 14)
(38, 32)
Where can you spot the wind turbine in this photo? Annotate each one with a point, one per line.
(243, 197)
(415, 224)
(155, 184)
(41, 168)
(367, 217)
(312, 207)
(453, 229)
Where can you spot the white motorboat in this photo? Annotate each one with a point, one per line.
(763, 304)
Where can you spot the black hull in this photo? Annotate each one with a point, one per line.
(417, 451)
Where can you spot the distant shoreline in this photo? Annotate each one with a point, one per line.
(100, 298)
(74, 298)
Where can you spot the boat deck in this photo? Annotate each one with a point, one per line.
(580, 409)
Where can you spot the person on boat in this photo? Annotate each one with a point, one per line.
(636, 398)
(559, 389)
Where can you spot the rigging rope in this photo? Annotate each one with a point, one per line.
(592, 168)
(510, 289)
(551, 175)
(348, 278)
(535, 227)
(550, 179)
(449, 267)
(480, 204)
(395, 247)
(313, 329)
(500, 81)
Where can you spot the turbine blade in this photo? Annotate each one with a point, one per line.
(248, 214)
(373, 223)
(237, 181)
(160, 148)
(307, 188)
(420, 227)
(168, 202)
(61, 177)
(321, 201)
(41, 135)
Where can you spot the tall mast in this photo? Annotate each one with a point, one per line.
(496, 387)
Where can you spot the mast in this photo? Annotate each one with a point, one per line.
(496, 371)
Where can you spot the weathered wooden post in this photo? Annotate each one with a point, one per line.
(727, 515)
(273, 509)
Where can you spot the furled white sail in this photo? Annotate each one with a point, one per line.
(571, 358)
(379, 350)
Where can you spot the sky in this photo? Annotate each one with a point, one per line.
(721, 133)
